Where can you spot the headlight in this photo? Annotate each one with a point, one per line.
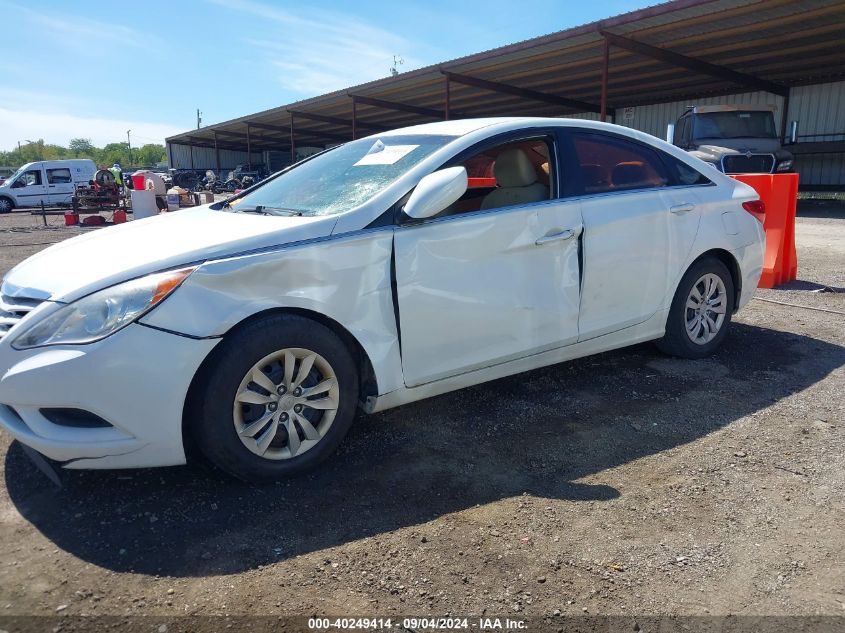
(102, 313)
(785, 166)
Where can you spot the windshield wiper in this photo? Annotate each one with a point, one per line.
(275, 211)
(262, 210)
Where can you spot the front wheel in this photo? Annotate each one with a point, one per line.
(278, 398)
(6, 204)
(701, 311)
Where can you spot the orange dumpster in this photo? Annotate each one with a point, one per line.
(779, 192)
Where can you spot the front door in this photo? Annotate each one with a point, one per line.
(30, 188)
(486, 288)
(495, 276)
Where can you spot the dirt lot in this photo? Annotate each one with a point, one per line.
(618, 484)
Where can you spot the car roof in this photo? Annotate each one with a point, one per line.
(462, 127)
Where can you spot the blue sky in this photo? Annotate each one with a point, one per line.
(94, 70)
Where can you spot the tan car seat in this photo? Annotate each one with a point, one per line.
(517, 181)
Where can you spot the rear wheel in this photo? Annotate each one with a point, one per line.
(701, 311)
(6, 204)
(277, 400)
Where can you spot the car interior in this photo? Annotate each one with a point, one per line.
(506, 175)
(518, 173)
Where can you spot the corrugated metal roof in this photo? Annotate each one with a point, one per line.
(788, 42)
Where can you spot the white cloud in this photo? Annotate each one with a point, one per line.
(319, 51)
(59, 128)
(79, 31)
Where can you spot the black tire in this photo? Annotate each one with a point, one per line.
(6, 204)
(676, 341)
(210, 411)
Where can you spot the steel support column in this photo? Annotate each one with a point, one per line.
(248, 149)
(217, 153)
(784, 117)
(354, 118)
(292, 143)
(605, 63)
(448, 99)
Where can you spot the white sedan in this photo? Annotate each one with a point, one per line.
(393, 268)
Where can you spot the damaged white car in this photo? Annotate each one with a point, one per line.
(386, 270)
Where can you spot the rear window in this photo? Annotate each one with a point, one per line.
(609, 163)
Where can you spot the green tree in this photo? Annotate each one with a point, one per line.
(115, 153)
(149, 155)
(146, 156)
(82, 148)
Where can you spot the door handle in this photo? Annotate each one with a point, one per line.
(680, 209)
(568, 234)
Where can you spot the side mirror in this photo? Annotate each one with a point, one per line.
(670, 133)
(435, 192)
(793, 132)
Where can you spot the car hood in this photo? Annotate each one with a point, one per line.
(724, 147)
(75, 267)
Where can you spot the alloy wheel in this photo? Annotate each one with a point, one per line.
(286, 403)
(705, 308)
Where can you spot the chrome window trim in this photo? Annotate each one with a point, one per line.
(602, 194)
(514, 208)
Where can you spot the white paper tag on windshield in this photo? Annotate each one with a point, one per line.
(381, 154)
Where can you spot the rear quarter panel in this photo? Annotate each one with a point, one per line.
(726, 225)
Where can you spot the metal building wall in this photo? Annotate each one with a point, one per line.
(820, 112)
(205, 157)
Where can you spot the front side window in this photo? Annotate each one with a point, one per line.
(609, 163)
(29, 178)
(506, 175)
(342, 178)
(58, 176)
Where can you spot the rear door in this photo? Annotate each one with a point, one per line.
(494, 278)
(59, 184)
(634, 229)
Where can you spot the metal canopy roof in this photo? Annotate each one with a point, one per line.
(667, 52)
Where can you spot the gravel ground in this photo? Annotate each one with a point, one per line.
(625, 483)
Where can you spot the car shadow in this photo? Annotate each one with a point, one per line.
(821, 209)
(808, 286)
(537, 433)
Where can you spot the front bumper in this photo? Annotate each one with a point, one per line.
(136, 380)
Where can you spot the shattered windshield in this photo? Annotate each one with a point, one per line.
(752, 124)
(342, 178)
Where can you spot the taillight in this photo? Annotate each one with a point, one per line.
(757, 208)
